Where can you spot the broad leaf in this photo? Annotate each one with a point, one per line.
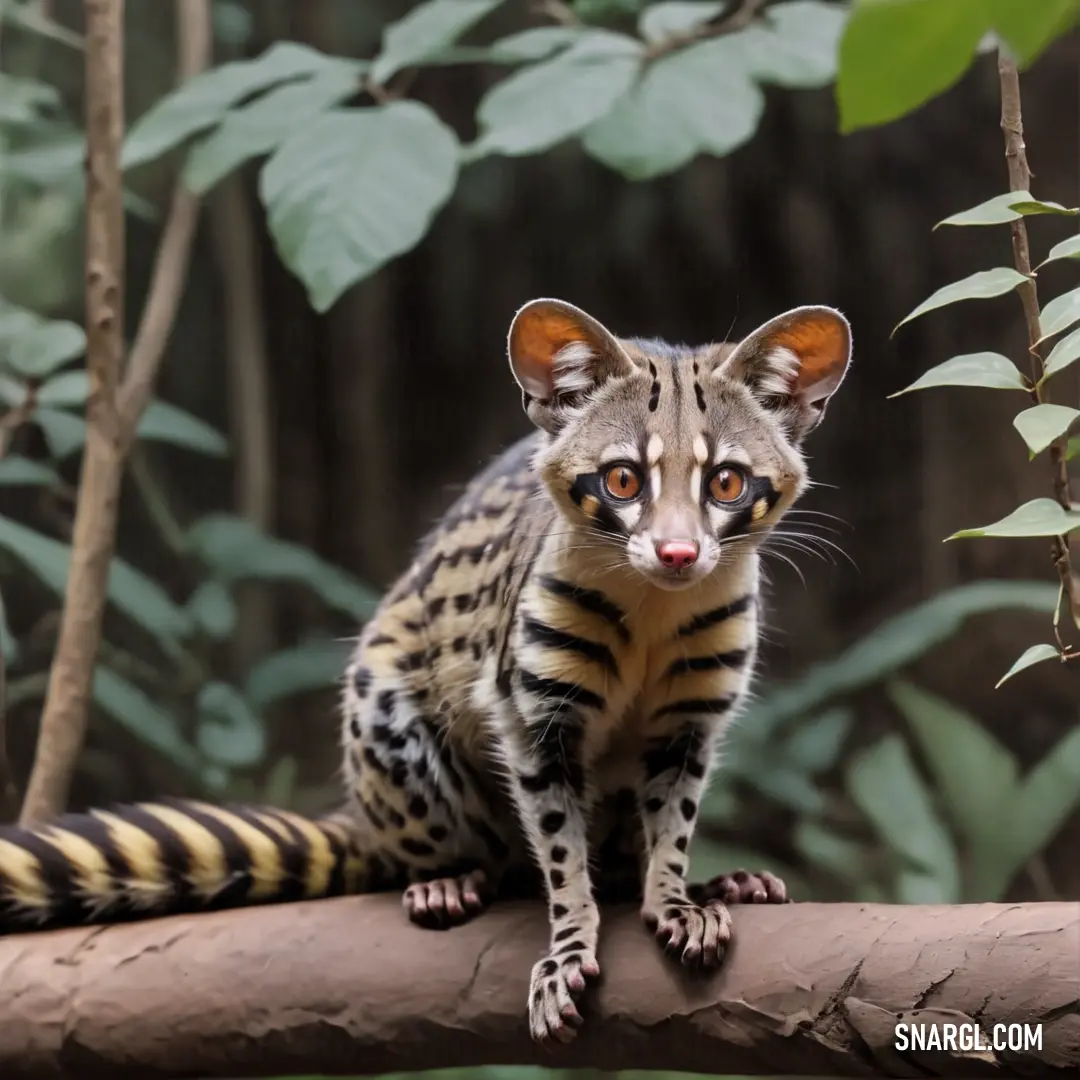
(45, 347)
(987, 369)
(994, 211)
(68, 390)
(546, 103)
(424, 30)
(213, 610)
(260, 127)
(63, 432)
(826, 850)
(1073, 448)
(698, 100)
(354, 189)
(816, 743)
(20, 471)
(888, 648)
(675, 18)
(162, 422)
(1060, 313)
(1047, 796)
(315, 665)
(1040, 517)
(235, 550)
(1066, 249)
(896, 55)
(884, 784)
(140, 598)
(1029, 28)
(535, 44)
(1032, 207)
(143, 717)
(1064, 353)
(975, 775)
(1034, 655)
(1040, 425)
(202, 101)
(981, 285)
(229, 732)
(795, 44)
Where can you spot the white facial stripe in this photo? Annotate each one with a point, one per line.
(701, 450)
(630, 515)
(654, 449)
(695, 483)
(654, 479)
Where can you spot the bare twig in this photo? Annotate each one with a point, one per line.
(117, 399)
(14, 419)
(739, 18)
(1020, 180)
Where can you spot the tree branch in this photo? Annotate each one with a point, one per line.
(116, 401)
(1020, 180)
(807, 990)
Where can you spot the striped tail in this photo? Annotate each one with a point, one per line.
(168, 857)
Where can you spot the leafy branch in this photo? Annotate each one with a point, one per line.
(1043, 426)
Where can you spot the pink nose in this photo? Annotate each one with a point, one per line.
(677, 554)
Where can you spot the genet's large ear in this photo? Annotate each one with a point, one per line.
(793, 364)
(558, 354)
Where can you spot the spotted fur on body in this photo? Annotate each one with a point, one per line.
(537, 703)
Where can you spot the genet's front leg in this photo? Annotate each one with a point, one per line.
(549, 783)
(676, 762)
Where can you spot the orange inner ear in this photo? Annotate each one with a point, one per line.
(543, 333)
(820, 343)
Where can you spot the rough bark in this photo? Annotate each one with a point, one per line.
(347, 987)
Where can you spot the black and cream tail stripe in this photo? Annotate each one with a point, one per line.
(168, 857)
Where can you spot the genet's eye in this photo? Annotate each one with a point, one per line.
(727, 485)
(622, 482)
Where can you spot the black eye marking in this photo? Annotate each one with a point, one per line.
(654, 393)
(699, 394)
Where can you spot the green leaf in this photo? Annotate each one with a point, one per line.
(315, 665)
(1040, 425)
(815, 744)
(1073, 448)
(235, 550)
(45, 347)
(424, 30)
(981, 285)
(212, 608)
(31, 19)
(1040, 517)
(546, 103)
(24, 100)
(1066, 249)
(889, 647)
(1029, 28)
(354, 189)
(229, 732)
(67, 390)
(987, 369)
(897, 54)
(1033, 207)
(260, 127)
(1047, 797)
(162, 422)
(795, 45)
(9, 646)
(63, 432)
(885, 785)
(203, 101)
(1034, 655)
(535, 44)
(675, 18)
(975, 774)
(142, 717)
(1064, 353)
(994, 211)
(826, 850)
(21, 471)
(142, 600)
(1060, 313)
(701, 99)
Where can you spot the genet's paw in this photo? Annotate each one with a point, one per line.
(557, 983)
(742, 887)
(446, 902)
(700, 933)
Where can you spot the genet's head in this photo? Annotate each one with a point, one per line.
(675, 453)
